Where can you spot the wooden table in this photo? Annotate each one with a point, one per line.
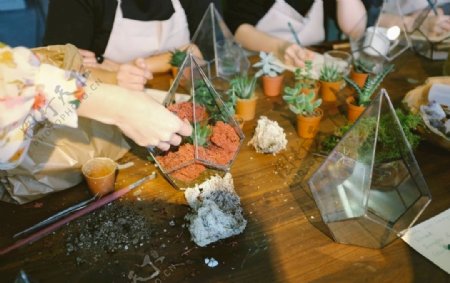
(279, 243)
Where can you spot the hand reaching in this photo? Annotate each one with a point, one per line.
(134, 76)
(296, 56)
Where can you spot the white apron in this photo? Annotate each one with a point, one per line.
(131, 39)
(310, 29)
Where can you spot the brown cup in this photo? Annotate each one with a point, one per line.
(100, 175)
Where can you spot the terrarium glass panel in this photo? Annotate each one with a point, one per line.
(425, 41)
(225, 58)
(370, 189)
(385, 37)
(216, 137)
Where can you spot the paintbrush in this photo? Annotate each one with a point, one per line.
(91, 207)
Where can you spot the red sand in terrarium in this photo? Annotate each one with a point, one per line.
(188, 173)
(224, 136)
(184, 110)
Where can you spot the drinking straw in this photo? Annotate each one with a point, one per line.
(291, 28)
(93, 206)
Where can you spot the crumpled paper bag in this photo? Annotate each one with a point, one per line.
(57, 153)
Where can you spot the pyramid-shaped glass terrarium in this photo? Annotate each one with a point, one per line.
(424, 40)
(225, 58)
(369, 191)
(384, 39)
(216, 138)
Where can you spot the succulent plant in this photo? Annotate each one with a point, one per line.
(305, 76)
(200, 135)
(267, 65)
(361, 65)
(300, 103)
(242, 86)
(330, 73)
(177, 58)
(372, 83)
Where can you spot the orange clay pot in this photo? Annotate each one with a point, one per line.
(239, 120)
(272, 85)
(315, 90)
(353, 111)
(174, 71)
(246, 108)
(359, 78)
(307, 126)
(328, 90)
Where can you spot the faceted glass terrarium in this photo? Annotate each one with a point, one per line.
(215, 41)
(370, 188)
(216, 138)
(384, 38)
(424, 40)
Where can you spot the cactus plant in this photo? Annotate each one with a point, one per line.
(305, 76)
(267, 65)
(242, 86)
(200, 136)
(364, 94)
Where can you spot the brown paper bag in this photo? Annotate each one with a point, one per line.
(57, 153)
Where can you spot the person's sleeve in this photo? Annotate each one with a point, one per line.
(330, 9)
(70, 21)
(250, 12)
(30, 93)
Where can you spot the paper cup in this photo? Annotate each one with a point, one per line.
(100, 175)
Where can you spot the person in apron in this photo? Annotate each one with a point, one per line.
(124, 41)
(284, 31)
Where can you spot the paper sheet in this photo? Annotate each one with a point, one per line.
(431, 238)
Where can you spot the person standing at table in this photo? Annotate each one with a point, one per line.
(124, 40)
(268, 25)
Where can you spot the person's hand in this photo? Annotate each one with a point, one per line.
(149, 124)
(436, 25)
(134, 76)
(296, 56)
(90, 61)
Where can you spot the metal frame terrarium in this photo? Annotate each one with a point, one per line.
(216, 137)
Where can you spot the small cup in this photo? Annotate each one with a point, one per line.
(100, 174)
(341, 59)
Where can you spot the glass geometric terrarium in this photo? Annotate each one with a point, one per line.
(224, 57)
(370, 188)
(426, 42)
(384, 38)
(216, 137)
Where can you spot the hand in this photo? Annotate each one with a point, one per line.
(134, 76)
(90, 61)
(150, 124)
(296, 56)
(436, 25)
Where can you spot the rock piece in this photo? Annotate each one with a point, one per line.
(269, 137)
(216, 210)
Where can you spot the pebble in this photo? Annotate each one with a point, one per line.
(211, 262)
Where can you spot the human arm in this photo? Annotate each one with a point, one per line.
(351, 17)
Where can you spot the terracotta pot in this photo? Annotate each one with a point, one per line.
(359, 78)
(174, 71)
(239, 120)
(328, 90)
(246, 108)
(353, 111)
(315, 90)
(307, 126)
(272, 85)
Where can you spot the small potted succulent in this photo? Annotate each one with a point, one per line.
(357, 105)
(243, 88)
(271, 73)
(176, 60)
(331, 81)
(304, 76)
(307, 110)
(361, 70)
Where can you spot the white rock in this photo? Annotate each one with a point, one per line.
(216, 210)
(433, 111)
(269, 137)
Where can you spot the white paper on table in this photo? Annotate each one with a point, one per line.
(159, 95)
(431, 238)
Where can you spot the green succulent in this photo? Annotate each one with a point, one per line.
(242, 86)
(300, 103)
(305, 76)
(361, 65)
(178, 57)
(330, 73)
(267, 65)
(364, 94)
(200, 135)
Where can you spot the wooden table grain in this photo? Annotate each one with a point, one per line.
(283, 241)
